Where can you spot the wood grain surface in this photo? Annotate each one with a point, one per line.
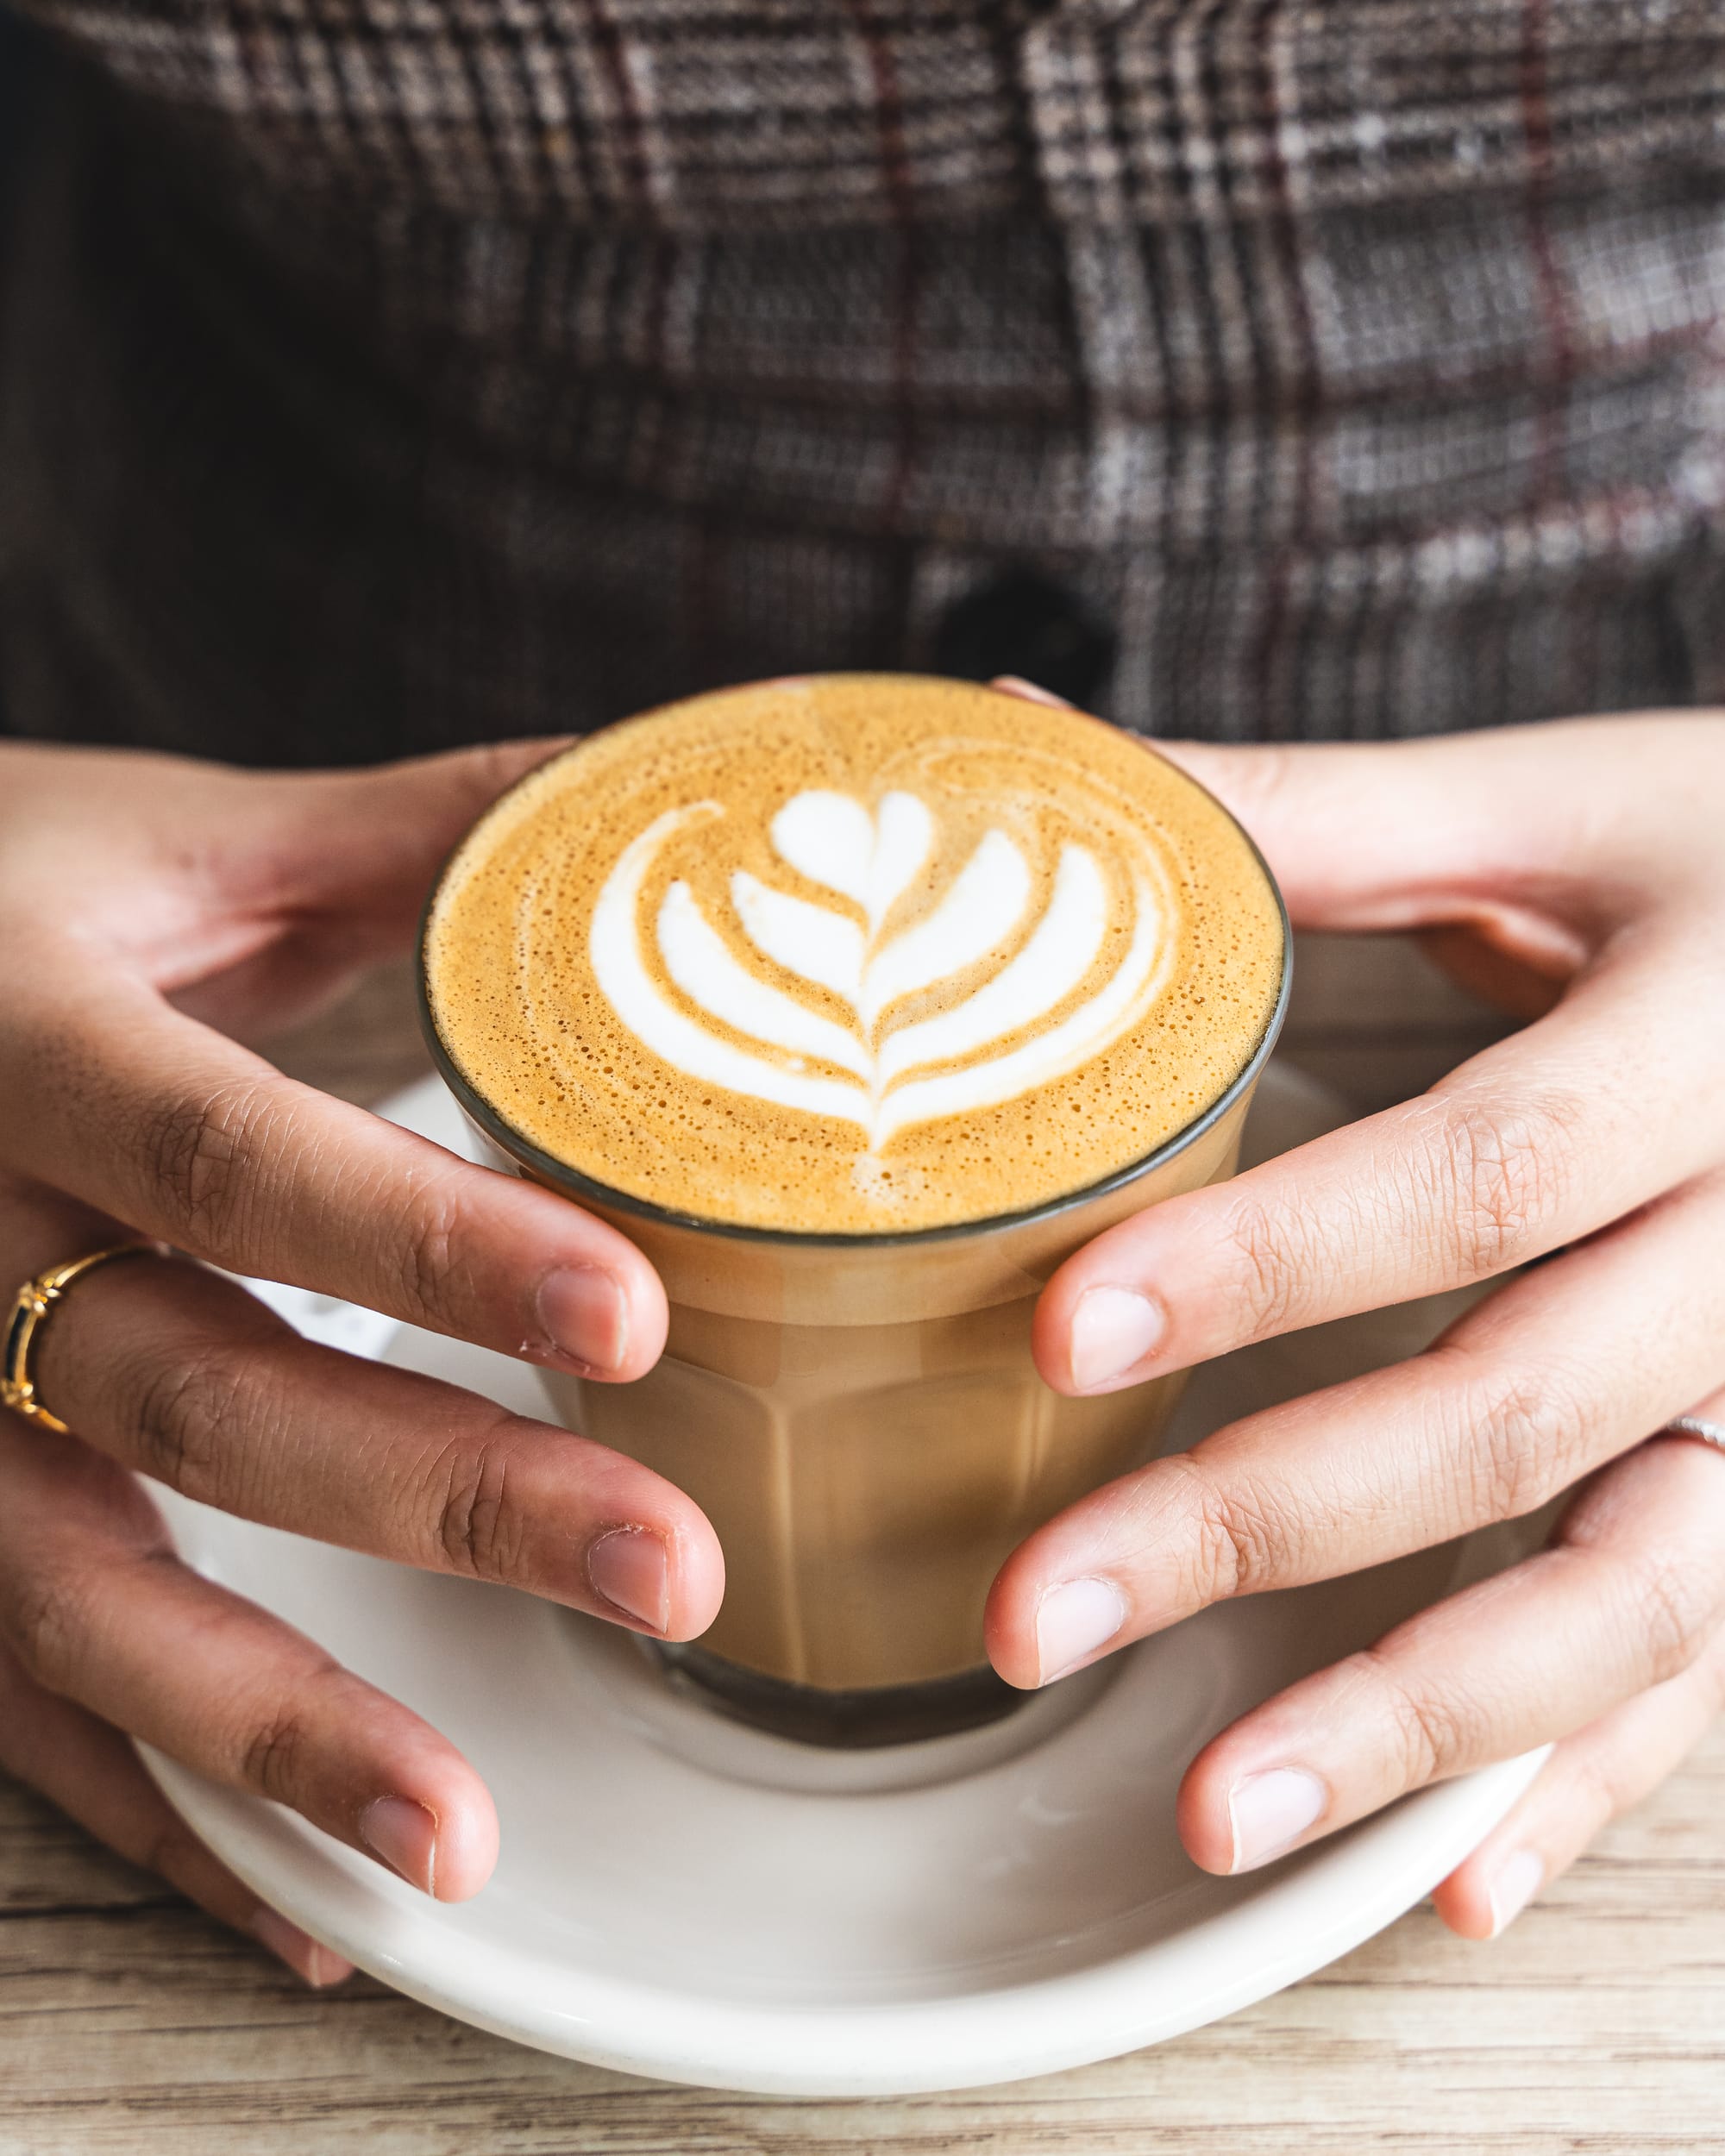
(130, 2025)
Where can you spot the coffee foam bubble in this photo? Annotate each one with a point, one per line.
(853, 954)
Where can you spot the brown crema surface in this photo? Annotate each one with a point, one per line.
(667, 823)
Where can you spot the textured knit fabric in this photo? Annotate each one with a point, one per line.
(383, 373)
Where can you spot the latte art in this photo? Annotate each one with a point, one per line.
(762, 1040)
(855, 953)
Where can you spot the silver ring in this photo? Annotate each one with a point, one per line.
(1693, 1426)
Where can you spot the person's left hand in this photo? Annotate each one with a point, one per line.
(1573, 870)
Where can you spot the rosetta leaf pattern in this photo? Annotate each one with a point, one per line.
(1012, 1031)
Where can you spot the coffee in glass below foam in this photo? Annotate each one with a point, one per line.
(858, 1002)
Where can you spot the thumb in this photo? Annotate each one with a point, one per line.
(1479, 828)
(1403, 834)
(372, 840)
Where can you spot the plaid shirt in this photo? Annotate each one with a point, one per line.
(383, 373)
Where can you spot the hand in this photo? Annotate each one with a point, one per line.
(152, 906)
(1573, 870)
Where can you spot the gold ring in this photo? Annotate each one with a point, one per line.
(29, 1314)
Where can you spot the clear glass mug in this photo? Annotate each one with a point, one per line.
(860, 1418)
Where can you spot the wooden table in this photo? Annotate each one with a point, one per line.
(129, 2024)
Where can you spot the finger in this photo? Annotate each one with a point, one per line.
(1629, 1595)
(1030, 691)
(1533, 1388)
(1539, 1140)
(369, 843)
(136, 1109)
(1466, 829)
(182, 1375)
(93, 1775)
(1591, 1779)
(342, 856)
(96, 1610)
(331, 869)
(1478, 963)
(1703, 1421)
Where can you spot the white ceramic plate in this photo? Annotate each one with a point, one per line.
(680, 1897)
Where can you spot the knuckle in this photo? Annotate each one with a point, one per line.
(478, 1525)
(183, 1415)
(496, 765)
(1506, 1170)
(1676, 1610)
(173, 1852)
(200, 1155)
(1260, 778)
(48, 1622)
(431, 1257)
(1431, 1734)
(291, 1747)
(1236, 1547)
(273, 1762)
(1267, 1264)
(1526, 1435)
(1600, 1783)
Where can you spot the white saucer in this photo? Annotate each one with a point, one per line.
(683, 1898)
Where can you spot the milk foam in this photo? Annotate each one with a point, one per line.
(761, 1038)
(857, 953)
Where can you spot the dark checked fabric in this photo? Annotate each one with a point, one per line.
(383, 373)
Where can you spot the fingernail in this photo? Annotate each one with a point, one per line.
(1519, 1879)
(1269, 1811)
(629, 1569)
(585, 1313)
(1072, 1621)
(1031, 691)
(405, 1834)
(1112, 1328)
(303, 1954)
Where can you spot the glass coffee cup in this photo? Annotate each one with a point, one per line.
(860, 1418)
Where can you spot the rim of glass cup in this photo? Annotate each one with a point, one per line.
(572, 1182)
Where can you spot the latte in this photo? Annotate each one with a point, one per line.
(846, 959)
(855, 953)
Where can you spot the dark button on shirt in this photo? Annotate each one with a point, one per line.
(1024, 624)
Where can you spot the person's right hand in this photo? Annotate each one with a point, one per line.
(153, 906)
